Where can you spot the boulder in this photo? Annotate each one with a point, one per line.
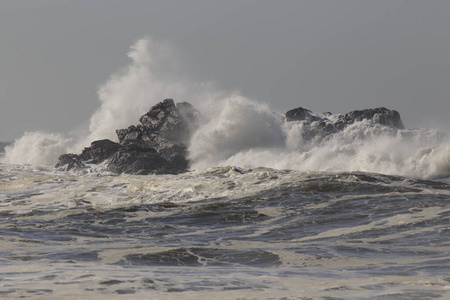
(322, 125)
(167, 128)
(156, 146)
(379, 115)
(98, 152)
(70, 161)
(133, 159)
(302, 114)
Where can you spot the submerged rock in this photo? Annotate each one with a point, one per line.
(157, 146)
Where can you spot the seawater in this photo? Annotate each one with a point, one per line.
(222, 233)
(359, 214)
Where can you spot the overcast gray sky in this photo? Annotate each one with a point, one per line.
(323, 55)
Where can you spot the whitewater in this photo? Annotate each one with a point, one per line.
(265, 211)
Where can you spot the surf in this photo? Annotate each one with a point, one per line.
(238, 131)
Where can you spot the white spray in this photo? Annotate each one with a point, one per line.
(238, 131)
(123, 99)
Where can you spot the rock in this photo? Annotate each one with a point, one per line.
(167, 128)
(133, 159)
(99, 151)
(322, 125)
(165, 121)
(157, 146)
(70, 161)
(302, 114)
(132, 133)
(379, 115)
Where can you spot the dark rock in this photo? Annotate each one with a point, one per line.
(131, 133)
(132, 159)
(322, 125)
(379, 115)
(167, 128)
(301, 114)
(99, 151)
(165, 121)
(157, 146)
(70, 161)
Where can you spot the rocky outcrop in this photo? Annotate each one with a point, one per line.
(134, 159)
(379, 115)
(157, 146)
(322, 125)
(302, 114)
(167, 128)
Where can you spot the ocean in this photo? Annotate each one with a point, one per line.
(236, 232)
(268, 210)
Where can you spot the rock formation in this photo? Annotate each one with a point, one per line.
(322, 125)
(157, 146)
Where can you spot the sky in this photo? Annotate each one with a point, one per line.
(334, 56)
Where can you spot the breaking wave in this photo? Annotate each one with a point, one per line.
(239, 131)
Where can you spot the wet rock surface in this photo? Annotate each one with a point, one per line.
(322, 125)
(156, 146)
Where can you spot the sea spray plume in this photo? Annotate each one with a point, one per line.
(238, 125)
(37, 148)
(437, 160)
(130, 93)
(368, 147)
(124, 97)
(243, 134)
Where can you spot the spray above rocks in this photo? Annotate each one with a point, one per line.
(225, 129)
(159, 145)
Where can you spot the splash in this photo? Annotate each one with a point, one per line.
(124, 97)
(37, 148)
(129, 94)
(247, 134)
(238, 131)
(238, 124)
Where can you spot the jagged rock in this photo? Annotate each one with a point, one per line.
(379, 115)
(157, 146)
(165, 121)
(322, 125)
(167, 128)
(131, 133)
(70, 161)
(99, 151)
(133, 159)
(302, 114)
